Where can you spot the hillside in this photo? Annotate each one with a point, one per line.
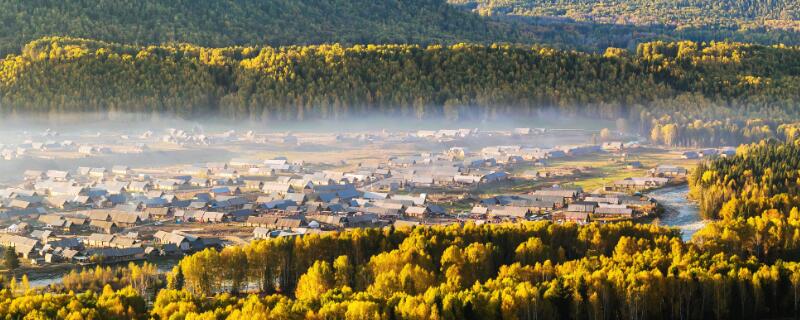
(661, 86)
(246, 22)
(593, 25)
(778, 14)
(583, 25)
(760, 177)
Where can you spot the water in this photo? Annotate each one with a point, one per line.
(681, 212)
(37, 280)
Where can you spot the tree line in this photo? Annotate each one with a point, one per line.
(762, 176)
(725, 14)
(244, 22)
(283, 22)
(681, 93)
(495, 271)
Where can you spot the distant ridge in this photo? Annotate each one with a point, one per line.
(242, 22)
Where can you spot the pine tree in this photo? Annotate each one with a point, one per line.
(11, 261)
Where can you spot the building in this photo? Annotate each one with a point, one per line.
(103, 226)
(669, 171)
(177, 239)
(577, 217)
(23, 246)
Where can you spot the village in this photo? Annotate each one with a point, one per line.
(90, 215)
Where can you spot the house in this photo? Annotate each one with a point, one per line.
(69, 254)
(581, 207)
(494, 177)
(22, 245)
(139, 186)
(125, 219)
(297, 198)
(577, 217)
(276, 222)
(364, 220)
(58, 175)
(158, 213)
(64, 243)
(33, 175)
(221, 191)
(261, 233)
(211, 217)
(227, 174)
(276, 187)
(614, 212)
(200, 182)
(422, 181)
(324, 220)
(479, 211)
(602, 199)
(244, 163)
(168, 184)
(109, 255)
(98, 173)
(417, 212)
(41, 235)
(567, 194)
(418, 200)
(98, 240)
(669, 171)
(177, 239)
(55, 222)
(77, 222)
(20, 204)
(637, 184)
(124, 242)
(508, 212)
(121, 170)
(104, 226)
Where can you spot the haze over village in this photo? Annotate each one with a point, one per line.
(399, 159)
(159, 193)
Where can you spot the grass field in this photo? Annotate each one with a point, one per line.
(607, 168)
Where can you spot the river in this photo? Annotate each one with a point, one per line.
(42, 279)
(681, 212)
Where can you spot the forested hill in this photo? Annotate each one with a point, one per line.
(735, 14)
(679, 93)
(594, 25)
(760, 177)
(240, 22)
(686, 80)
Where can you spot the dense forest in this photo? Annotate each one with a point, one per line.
(247, 22)
(731, 14)
(679, 93)
(511, 271)
(303, 22)
(760, 177)
(593, 25)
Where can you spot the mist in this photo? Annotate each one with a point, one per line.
(158, 141)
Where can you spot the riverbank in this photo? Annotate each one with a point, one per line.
(42, 276)
(679, 211)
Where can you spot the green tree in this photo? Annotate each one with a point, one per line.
(10, 259)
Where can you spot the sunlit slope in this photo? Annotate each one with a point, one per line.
(302, 82)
